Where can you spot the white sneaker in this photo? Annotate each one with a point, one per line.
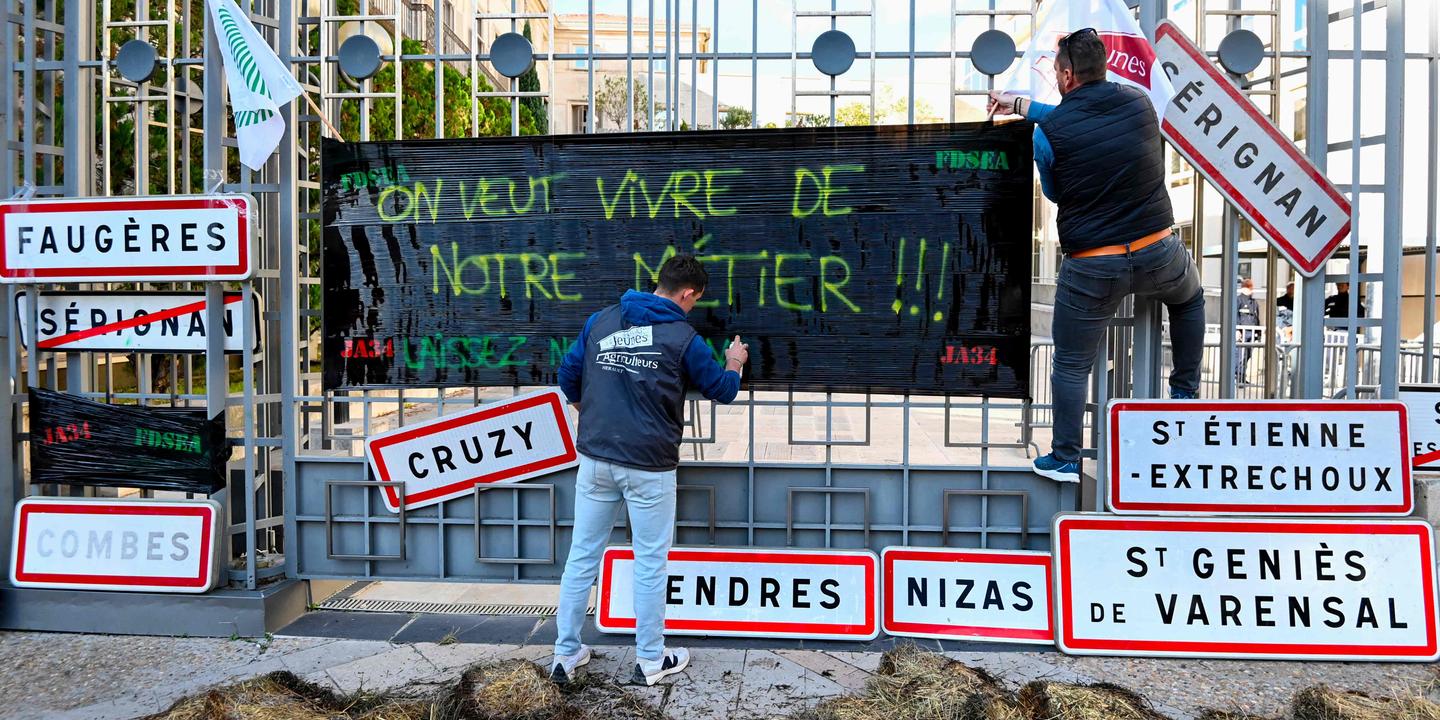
(649, 672)
(563, 669)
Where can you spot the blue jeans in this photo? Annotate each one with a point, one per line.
(1086, 296)
(600, 487)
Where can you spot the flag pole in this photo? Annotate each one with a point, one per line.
(323, 119)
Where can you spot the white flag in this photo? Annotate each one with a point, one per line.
(1131, 58)
(258, 83)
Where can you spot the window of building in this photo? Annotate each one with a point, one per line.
(449, 15)
(580, 116)
(1301, 126)
(582, 63)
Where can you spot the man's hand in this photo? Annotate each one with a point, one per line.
(736, 355)
(1002, 103)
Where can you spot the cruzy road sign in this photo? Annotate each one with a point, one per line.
(1322, 589)
(1423, 403)
(1267, 457)
(135, 545)
(504, 442)
(752, 592)
(133, 321)
(984, 595)
(1255, 166)
(126, 239)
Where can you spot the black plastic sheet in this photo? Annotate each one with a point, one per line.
(74, 441)
(879, 259)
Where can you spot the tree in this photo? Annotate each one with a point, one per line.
(530, 82)
(609, 102)
(417, 111)
(889, 110)
(800, 120)
(736, 118)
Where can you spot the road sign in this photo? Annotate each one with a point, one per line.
(1254, 165)
(503, 442)
(984, 595)
(135, 545)
(824, 594)
(126, 239)
(133, 321)
(1321, 589)
(1264, 457)
(1423, 403)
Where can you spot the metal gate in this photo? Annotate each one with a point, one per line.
(774, 469)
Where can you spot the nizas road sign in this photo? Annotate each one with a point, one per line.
(106, 544)
(503, 442)
(1302, 588)
(982, 595)
(126, 239)
(1241, 152)
(759, 592)
(1265, 457)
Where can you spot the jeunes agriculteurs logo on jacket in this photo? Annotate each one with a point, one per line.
(617, 351)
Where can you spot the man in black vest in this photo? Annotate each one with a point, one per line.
(628, 373)
(1102, 162)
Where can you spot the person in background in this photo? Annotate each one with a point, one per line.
(1102, 161)
(1287, 299)
(1338, 305)
(628, 373)
(1247, 321)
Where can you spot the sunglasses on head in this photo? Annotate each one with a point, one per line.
(1065, 44)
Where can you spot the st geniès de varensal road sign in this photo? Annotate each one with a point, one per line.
(1423, 405)
(1253, 165)
(751, 592)
(1259, 457)
(116, 321)
(1303, 588)
(984, 595)
(112, 544)
(502, 442)
(126, 239)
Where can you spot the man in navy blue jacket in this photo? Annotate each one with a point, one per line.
(1102, 161)
(628, 374)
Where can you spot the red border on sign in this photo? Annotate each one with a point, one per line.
(547, 398)
(1309, 267)
(1421, 532)
(1399, 408)
(200, 580)
(242, 267)
(960, 632)
(606, 620)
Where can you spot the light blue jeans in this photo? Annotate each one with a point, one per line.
(600, 487)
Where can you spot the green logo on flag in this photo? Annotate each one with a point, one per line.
(245, 63)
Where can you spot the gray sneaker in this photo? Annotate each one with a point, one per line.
(562, 670)
(649, 672)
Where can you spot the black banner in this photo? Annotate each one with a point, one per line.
(74, 441)
(887, 259)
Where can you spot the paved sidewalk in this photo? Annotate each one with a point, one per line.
(70, 677)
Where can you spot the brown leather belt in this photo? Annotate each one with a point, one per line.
(1123, 248)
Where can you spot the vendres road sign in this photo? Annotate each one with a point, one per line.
(133, 239)
(1247, 158)
(1267, 457)
(133, 321)
(1423, 403)
(984, 595)
(504, 442)
(1245, 587)
(135, 545)
(825, 594)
